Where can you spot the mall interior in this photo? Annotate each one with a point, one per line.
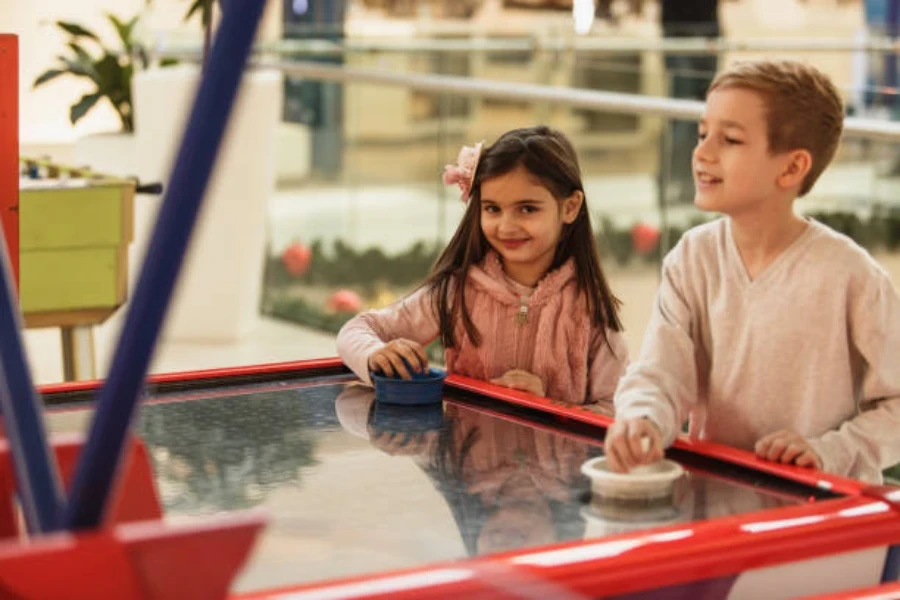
(327, 199)
(339, 168)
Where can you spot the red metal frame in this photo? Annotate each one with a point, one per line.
(592, 440)
(562, 411)
(656, 558)
(9, 147)
(264, 369)
(189, 396)
(582, 414)
(630, 563)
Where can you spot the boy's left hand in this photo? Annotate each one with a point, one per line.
(788, 447)
(518, 379)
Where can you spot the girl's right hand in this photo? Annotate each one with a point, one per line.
(389, 359)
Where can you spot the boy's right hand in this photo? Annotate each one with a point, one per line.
(389, 358)
(624, 445)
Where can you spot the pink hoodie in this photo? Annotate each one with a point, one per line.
(546, 332)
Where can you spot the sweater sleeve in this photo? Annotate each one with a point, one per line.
(662, 384)
(606, 365)
(412, 318)
(870, 441)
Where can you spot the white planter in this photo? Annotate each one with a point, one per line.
(108, 153)
(217, 297)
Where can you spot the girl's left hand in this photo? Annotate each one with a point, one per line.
(518, 379)
(788, 447)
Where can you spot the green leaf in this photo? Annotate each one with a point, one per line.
(85, 104)
(82, 56)
(76, 30)
(110, 77)
(47, 76)
(143, 56)
(196, 6)
(75, 67)
(125, 30)
(207, 13)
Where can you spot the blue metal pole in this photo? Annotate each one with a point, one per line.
(116, 405)
(39, 490)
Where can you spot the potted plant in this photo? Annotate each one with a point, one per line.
(110, 70)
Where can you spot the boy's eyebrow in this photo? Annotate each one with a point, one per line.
(734, 124)
(725, 123)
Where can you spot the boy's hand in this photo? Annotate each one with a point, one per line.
(788, 447)
(518, 379)
(631, 443)
(389, 359)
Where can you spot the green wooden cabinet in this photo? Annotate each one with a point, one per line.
(73, 251)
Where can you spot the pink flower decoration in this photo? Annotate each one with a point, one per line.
(463, 172)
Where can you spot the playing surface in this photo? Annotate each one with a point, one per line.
(352, 487)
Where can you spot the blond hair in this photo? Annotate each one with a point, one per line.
(804, 109)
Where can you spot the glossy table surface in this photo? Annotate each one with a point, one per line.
(352, 486)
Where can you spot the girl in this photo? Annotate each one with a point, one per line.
(518, 297)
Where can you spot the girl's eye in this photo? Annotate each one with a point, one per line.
(701, 136)
(528, 209)
(490, 209)
(733, 141)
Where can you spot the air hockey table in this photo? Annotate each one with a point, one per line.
(480, 497)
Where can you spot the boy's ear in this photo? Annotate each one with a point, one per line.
(797, 166)
(571, 206)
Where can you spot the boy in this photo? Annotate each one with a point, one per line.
(770, 331)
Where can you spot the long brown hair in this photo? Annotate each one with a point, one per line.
(549, 156)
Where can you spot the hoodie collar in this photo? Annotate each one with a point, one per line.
(490, 277)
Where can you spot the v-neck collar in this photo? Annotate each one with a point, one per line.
(775, 265)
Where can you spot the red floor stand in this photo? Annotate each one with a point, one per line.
(136, 497)
(135, 554)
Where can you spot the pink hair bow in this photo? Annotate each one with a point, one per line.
(463, 172)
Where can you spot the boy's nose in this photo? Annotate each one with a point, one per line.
(703, 152)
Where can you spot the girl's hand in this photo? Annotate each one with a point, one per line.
(631, 443)
(788, 447)
(389, 359)
(518, 379)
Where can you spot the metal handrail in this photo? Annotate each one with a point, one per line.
(588, 44)
(602, 101)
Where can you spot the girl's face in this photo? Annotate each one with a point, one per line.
(523, 222)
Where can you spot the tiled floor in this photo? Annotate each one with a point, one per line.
(270, 341)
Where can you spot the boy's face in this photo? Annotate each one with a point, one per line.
(734, 172)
